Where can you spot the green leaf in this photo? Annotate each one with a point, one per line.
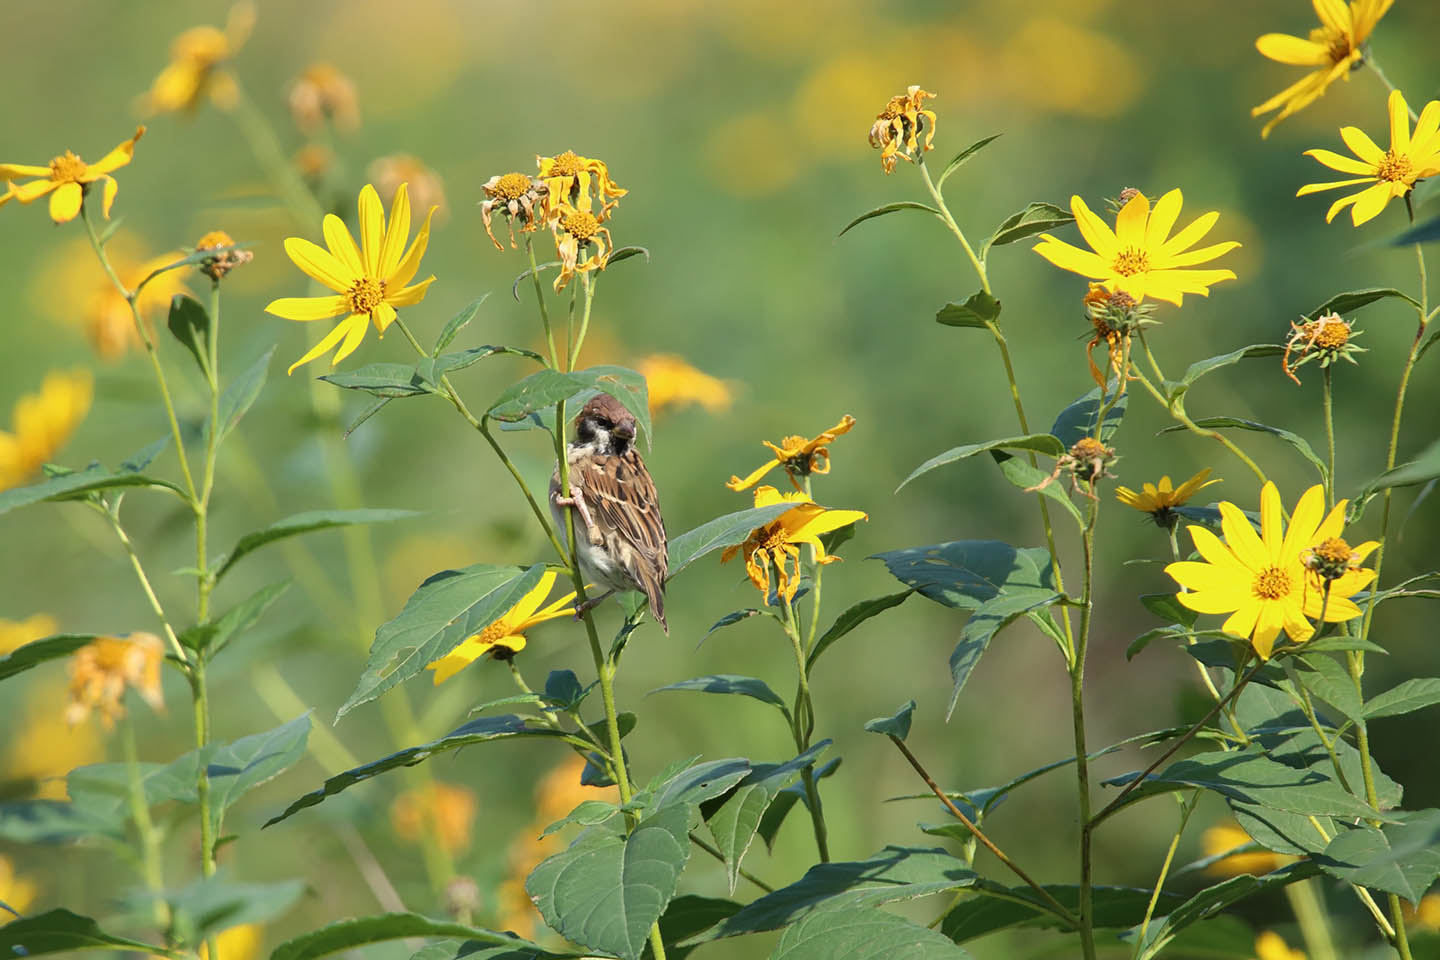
(994, 907)
(59, 931)
(863, 935)
(730, 683)
(356, 932)
(539, 269)
(688, 915)
(1423, 468)
(207, 906)
(190, 324)
(1168, 608)
(625, 253)
(608, 889)
(1400, 858)
(1078, 419)
(304, 523)
(1426, 232)
(236, 768)
(450, 362)
(1409, 696)
(988, 619)
(834, 889)
(439, 615)
(1037, 217)
(1353, 300)
(545, 388)
(726, 531)
(1038, 442)
(370, 411)
(564, 690)
(242, 393)
(58, 821)
(482, 730)
(587, 814)
(888, 208)
(695, 784)
(78, 485)
(962, 157)
(1199, 368)
(732, 618)
(1294, 439)
(1023, 476)
(1325, 678)
(389, 380)
(36, 652)
(896, 725)
(979, 311)
(480, 950)
(1212, 900)
(216, 634)
(786, 799)
(458, 323)
(851, 619)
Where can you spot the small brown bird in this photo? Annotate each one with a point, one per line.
(620, 533)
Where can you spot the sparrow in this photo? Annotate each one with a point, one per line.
(618, 527)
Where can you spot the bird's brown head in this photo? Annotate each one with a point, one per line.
(606, 424)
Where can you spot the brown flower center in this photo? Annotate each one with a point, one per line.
(67, 169)
(580, 225)
(566, 164)
(774, 538)
(1335, 41)
(512, 186)
(1395, 167)
(1272, 583)
(1332, 335)
(365, 295)
(1131, 261)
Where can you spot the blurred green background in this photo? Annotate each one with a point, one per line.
(739, 130)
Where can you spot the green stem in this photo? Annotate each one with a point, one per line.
(949, 220)
(112, 515)
(200, 693)
(278, 167)
(1187, 807)
(1327, 403)
(802, 726)
(148, 836)
(1077, 713)
(1309, 912)
(540, 302)
(589, 284)
(1369, 61)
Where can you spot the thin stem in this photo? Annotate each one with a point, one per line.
(1327, 403)
(1077, 713)
(1369, 61)
(588, 283)
(1187, 807)
(148, 836)
(1056, 906)
(700, 842)
(949, 220)
(112, 514)
(540, 302)
(201, 695)
(1309, 912)
(802, 725)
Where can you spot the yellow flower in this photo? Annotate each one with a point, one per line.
(197, 66)
(73, 287)
(426, 188)
(1136, 257)
(14, 634)
(1332, 51)
(101, 670)
(800, 457)
(1271, 946)
(323, 93)
(569, 179)
(1392, 173)
(1425, 915)
(897, 128)
(42, 423)
(1160, 501)
(15, 890)
(369, 280)
(576, 231)
(517, 196)
(236, 943)
(506, 634)
(443, 808)
(1225, 837)
(777, 542)
(1262, 581)
(673, 383)
(67, 179)
(43, 748)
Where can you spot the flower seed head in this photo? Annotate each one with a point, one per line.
(217, 266)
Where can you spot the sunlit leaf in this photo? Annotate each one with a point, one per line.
(888, 208)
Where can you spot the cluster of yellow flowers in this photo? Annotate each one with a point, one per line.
(443, 809)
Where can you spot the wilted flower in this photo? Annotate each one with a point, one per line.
(101, 671)
(799, 456)
(577, 231)
(446, 809)
(1327, 338)
(427, 190)
(506, 636)
(67, 179)
(569, 179)
(226, 257)
(1392, 173)
(42, 423)
(197, 66)
(369, 280)
(1161, 500)
(323, 93)
(777, 542)
(897, 128)
(1114, 315)
(672, 383)
(517, 196)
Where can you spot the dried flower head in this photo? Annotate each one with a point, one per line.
(1327, 338)
(518, 197)
(570, 180)
(576, 232)
(897, 128)
(1332, 558)
(1087, 460)
(101, 671)
(1114, 315)
(225, 258)
(323, 93)
(426, 188)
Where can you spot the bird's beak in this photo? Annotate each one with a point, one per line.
(625, 430)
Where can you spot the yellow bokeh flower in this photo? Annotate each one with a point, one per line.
(43, 748)
(777, 542)
(1262, 580)
(569, 179)
(1224, 837)
(799, 456)
(42, 423)
(15, 891)
(673, 383)
(1331, 52)
(236, 943)
(1139, 257)
(370, 280)
(102, 670)
(442, 808)
(426, 187)
(578, 231)
(508, 633)
(1392, 173)
(196, 71)
(1160, 500)
(323, 93)
(1425, 915)
(1271, 946)
(14, 634)
(897, 128)
(66, 179)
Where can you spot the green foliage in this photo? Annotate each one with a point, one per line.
(1037, 217)
(237, 398)
(896, 725)
(960, 158)
(1294, 439)
(993, 908)
(190, 324)
(1353, 300)
(37, 652)
(863, 934)
(1078, 420)
(81, 485)
(1038, 443)
(210, 638)
(979, 311)
(1210, 901)
(888, 208)
(545, 388)
(726, 531)
(303, 523)
(730, 683)
(1401, 858)
(60, 931)
(1199, 368)
(852, 618)
(357, 932)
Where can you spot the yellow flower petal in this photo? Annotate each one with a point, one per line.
(1310, 188)
(342, 245)
(392, 248)
(308, 308)
(1095, 231)
(1305, 521)
(1242, 622)
(1292, 50)
(410, 264)
(411, 295)
(1363, 147)
(1369, 203)
(1399, 123)
(735, 483)
(10, 171)
(354, 334)
(320, 264)
(1241, 537)
(116, 158)
(372, 230)
(1192, 234)
(65, 202)
(1072, 258)
(331, 339)
(1130, 222)
(1162, 219)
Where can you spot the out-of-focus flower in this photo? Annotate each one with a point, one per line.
(741, 158)
(66, 180)
(672, 383)
(236, 943)
(226, 257)
(426, 188)
(314, 161)
(369, 280)
(443, 808)
(15, 890)
(1331, 52)
(777, 542)
(1425, 915)
(1224, 837)
(1098, 77)
(570, 178)
(42, 747)
(798, 455)
(1261, 580)
(517, 196)
(73, 287)
(506, 636)
(42, 423)
(1327, 338)
(576, 232)
(897, 128)
(103, 669)
(1271, 946)
(1392, 173)
(197, 68)
(1139, 257)
(324, 93)
(14, 634)
(1160, 501)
